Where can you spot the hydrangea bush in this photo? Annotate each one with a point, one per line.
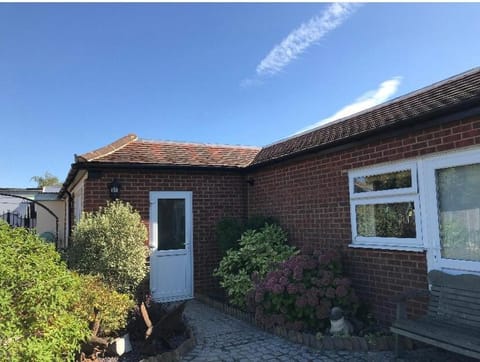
(300, 292)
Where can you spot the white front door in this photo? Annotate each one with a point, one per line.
(171, 258)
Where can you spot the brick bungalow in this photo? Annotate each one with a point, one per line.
(394, 188)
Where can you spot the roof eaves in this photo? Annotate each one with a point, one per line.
(72, 173)
(100, 165)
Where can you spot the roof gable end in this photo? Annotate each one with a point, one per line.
(107, 150)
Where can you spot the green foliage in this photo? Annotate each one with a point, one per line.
(386, 220)
(111, 243)
(38, 297)
(300, 292)
(46, 180)
(258, 252)
(103, 303)
(229, 230)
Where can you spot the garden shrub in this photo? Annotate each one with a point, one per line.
(104, 303)
(229, 230)
(38, 297)
(300, 292)
(111, 243)
(258, 252)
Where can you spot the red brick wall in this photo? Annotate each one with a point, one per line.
(310, 198)
(216, 194)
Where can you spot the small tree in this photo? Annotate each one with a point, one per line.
(46, 180)
(111, 244)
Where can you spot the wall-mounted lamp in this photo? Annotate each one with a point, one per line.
(114, 189)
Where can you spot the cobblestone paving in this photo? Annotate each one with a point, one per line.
(221, 337)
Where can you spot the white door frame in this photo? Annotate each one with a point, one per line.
(156, 255)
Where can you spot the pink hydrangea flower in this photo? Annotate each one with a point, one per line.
(278, 289)
(301, 302)
(291, 288)
(330, 293)
(341, 291)
(283, 281)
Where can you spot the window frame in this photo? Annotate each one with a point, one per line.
(406, 194)
(379, 170)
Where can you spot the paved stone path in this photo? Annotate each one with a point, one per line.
(221, 337)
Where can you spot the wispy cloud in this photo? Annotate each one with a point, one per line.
(303, 37)
(250, 82)
(367, 100)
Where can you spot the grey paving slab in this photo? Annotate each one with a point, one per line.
(221, 337)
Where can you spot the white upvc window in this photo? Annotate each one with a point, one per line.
(385, 207)
(450, 194)
(430, 203)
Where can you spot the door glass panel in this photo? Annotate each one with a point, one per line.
(394, 220)
(458, 195)
(171, 224)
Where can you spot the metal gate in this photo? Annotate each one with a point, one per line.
(24, 214)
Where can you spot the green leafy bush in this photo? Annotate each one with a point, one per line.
(102, 303)
(230, 230)
(300, 292)
(258, 252)
(111, 243)
(38, 298)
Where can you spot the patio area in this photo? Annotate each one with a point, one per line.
(221, 337)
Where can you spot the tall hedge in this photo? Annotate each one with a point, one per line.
(111, 243)
(38, 300)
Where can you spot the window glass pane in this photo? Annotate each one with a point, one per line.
(458, 195)
(171, 224)
(395, 220)
(384, 181)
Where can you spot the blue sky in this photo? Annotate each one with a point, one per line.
(75, 77)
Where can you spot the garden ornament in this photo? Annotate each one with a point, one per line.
(338, 324)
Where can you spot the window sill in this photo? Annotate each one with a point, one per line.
(414, 248)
